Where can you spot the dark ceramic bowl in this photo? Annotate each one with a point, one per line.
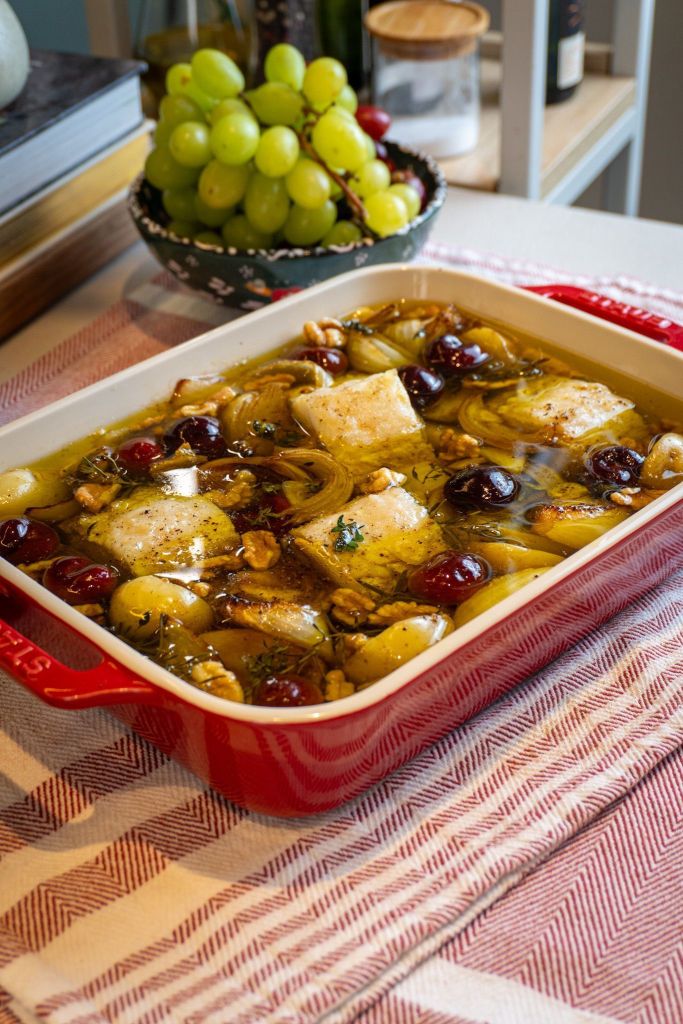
(248, 279)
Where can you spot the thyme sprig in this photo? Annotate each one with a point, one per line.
(275, 660)
(349, 535)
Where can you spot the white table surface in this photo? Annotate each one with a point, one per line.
(576, 241)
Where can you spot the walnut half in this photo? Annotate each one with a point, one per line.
(215, 678)
(350, 607)
(261, 549)
(380, 479)
(95, 497)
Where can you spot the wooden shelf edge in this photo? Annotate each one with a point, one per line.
(585, 136)
(570, 130)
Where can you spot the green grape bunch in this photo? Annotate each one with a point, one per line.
(286, 162)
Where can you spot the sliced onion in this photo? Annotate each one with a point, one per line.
(407, 333)
(297, 623)
(316, 466)
(475, 417)
(302, 370)
(374, 354)
(573, 525)
(194, 389)
(493, 592)
(496, 344)
(506, 558)
(305, 465)
(268, 405)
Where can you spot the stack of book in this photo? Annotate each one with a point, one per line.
(70, 146)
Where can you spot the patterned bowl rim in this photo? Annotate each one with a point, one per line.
(153, 228)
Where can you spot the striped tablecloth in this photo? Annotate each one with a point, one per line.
(524, 870)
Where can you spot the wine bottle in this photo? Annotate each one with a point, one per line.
(566, 43)
(342, 35)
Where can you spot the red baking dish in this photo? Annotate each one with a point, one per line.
(296, 761)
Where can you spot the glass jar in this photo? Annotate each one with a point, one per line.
(425, 72)
(169, 33)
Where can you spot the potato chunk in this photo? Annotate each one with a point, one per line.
(561, 407)
(397, 533)
(150, 531)
(365, 422)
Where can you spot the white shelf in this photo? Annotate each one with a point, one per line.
(554, 153)
(602, 108)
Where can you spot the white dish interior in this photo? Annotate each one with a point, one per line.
(137, 387)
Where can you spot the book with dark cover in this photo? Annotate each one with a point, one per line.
(71, 107)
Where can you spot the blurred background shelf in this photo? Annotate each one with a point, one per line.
(600, 114)
(554, 153)
(625, 26)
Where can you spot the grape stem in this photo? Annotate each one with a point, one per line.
(353, 200)
(351, 197)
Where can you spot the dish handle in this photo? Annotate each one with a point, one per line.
(634, 318)
(64, 687)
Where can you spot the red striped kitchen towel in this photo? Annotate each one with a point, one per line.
(524, 870)
(594, 936)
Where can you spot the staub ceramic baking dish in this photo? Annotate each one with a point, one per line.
(295, 761)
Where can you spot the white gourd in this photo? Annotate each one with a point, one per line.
(14, 57)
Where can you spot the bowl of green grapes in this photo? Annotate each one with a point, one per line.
(250, 194)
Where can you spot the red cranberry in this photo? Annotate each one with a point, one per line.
(24, 540)
(287, 692)
(137, 454)
(615, 465)
(481, 487)
(77, 580)
(331, 359)
(451, 357)
(374, 121)
(423, 386)
(449, 577)
(202, 433)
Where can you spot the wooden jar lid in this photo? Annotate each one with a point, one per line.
(427, 29)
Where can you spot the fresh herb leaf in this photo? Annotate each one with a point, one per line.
(271, 486)
(99, 466)
(350, 535)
